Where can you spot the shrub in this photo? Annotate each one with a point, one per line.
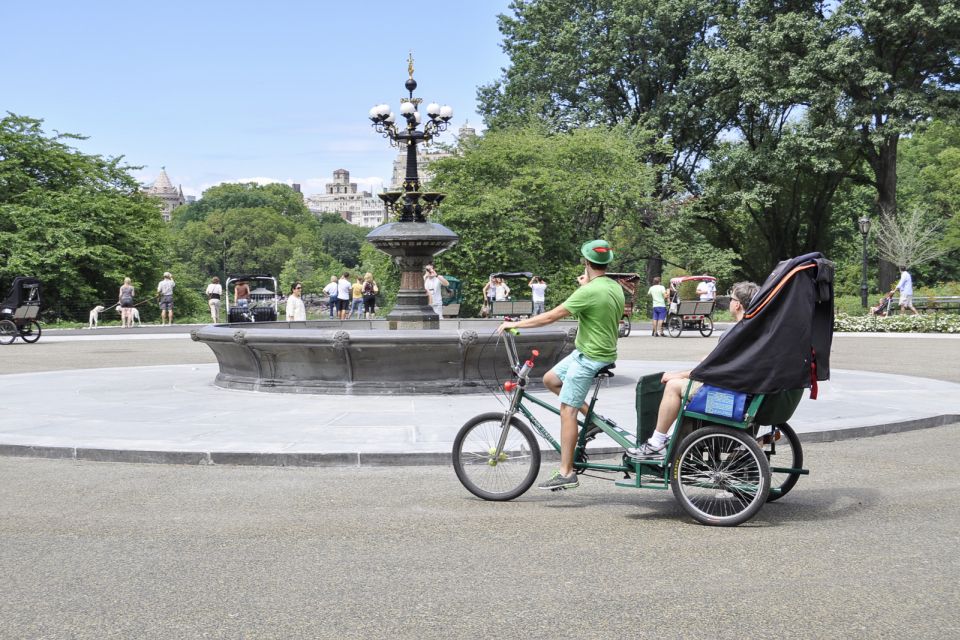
(925, 323)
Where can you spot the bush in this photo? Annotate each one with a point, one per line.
(926, 323)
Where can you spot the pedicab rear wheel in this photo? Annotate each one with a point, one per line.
(500, 478)
(30, 332)
(8, 331)
(720, 476)
(624, 330)
(782, 452)
(706, 326)
(674, 325)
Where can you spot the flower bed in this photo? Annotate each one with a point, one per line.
(925, 323)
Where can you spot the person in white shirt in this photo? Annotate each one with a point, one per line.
(503, 291)
(296, 311)
(344, 291)
(214, 291)
(331, 291)
(433, 282)
(707, 290)
(905, 287)
(538, 290)
(165, 294)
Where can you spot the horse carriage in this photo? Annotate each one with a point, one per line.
(19, 311)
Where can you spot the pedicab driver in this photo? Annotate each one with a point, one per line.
(598, 306)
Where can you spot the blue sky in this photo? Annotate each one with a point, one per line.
(224, 91)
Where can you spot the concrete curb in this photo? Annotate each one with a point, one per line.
(435, 458)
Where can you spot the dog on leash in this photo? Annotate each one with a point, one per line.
(95, 316)
(135, 316)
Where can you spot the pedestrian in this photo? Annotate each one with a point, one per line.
(331, 291)
(707, 290)
(165, 296)
(658, 294)
(356, 301)
(598, 306)
(214, 291)
(433, 283)
(344, 291)
(503, 291)
(538, 288)
(489, 296)
(905, 287)
(126, 304)
(370, 291)
(296, 311)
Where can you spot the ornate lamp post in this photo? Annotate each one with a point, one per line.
(411, 240)
(864, 224)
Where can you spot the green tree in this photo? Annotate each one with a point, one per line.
(279, 198)
(76, 221)
(524, 199)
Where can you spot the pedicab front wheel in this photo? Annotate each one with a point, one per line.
(8, 331)
(720, 476)
(674, 325)
(486, 474)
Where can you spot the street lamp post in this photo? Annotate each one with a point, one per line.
(864, 224)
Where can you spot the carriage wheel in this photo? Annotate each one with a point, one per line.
(782, 448)
(706, 326)
(674, 325)
(30, 332)
(624, 327)
(8, 332)
(720, 476)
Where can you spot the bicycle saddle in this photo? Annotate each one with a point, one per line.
(607, 371)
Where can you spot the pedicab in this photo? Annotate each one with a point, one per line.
(263, 304)
(19, 311)
(689, 314)
(629, 282)
(511, 307)
(731, 448)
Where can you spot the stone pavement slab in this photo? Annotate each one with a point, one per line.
(176, 414)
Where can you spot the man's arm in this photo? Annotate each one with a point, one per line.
(443, 280)
(557, 313)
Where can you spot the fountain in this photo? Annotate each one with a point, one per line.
(409, 352)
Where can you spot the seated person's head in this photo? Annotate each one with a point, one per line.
(740, 296)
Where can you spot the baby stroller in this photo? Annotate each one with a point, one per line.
(883, 307)
(19, 311)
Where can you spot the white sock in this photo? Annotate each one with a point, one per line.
(657, 439)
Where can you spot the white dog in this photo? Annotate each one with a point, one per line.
(134, 315)
(95, 316)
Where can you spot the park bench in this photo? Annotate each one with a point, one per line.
(930, 304)
(512, 308)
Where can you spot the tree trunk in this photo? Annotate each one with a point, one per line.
(884, 166)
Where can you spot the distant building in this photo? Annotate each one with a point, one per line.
(424, 159)
(170, 197)
(342, 197)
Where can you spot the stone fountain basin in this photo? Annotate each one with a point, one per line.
(366, 358)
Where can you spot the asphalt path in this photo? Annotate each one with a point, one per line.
(864, 547)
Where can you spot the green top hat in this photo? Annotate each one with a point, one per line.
(597, 252)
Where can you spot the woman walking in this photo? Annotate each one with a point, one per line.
(214, 291)
(296, 311)
(126, 304)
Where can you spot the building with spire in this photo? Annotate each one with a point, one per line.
(170, 197)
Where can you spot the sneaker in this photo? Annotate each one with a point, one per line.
(773, 436)
(558, 481)
(647, 451)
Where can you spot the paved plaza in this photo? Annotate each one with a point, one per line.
(174, 413)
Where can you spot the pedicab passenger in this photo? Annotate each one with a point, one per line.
(676, 383)
(598, 306)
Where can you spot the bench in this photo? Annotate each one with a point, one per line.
(929, 304)
(512, 308)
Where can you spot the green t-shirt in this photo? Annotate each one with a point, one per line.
(658, 293)
(598, 306)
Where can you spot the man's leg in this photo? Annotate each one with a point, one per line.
(655, 447)
(568, 437)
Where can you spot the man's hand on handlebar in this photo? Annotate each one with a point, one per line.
(506, 326)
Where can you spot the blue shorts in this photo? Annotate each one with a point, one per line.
(576, 371)
(659, 313)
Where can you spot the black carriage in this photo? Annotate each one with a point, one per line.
(263, 303)
(20, 310)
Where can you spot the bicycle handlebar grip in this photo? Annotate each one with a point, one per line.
(513, 331)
